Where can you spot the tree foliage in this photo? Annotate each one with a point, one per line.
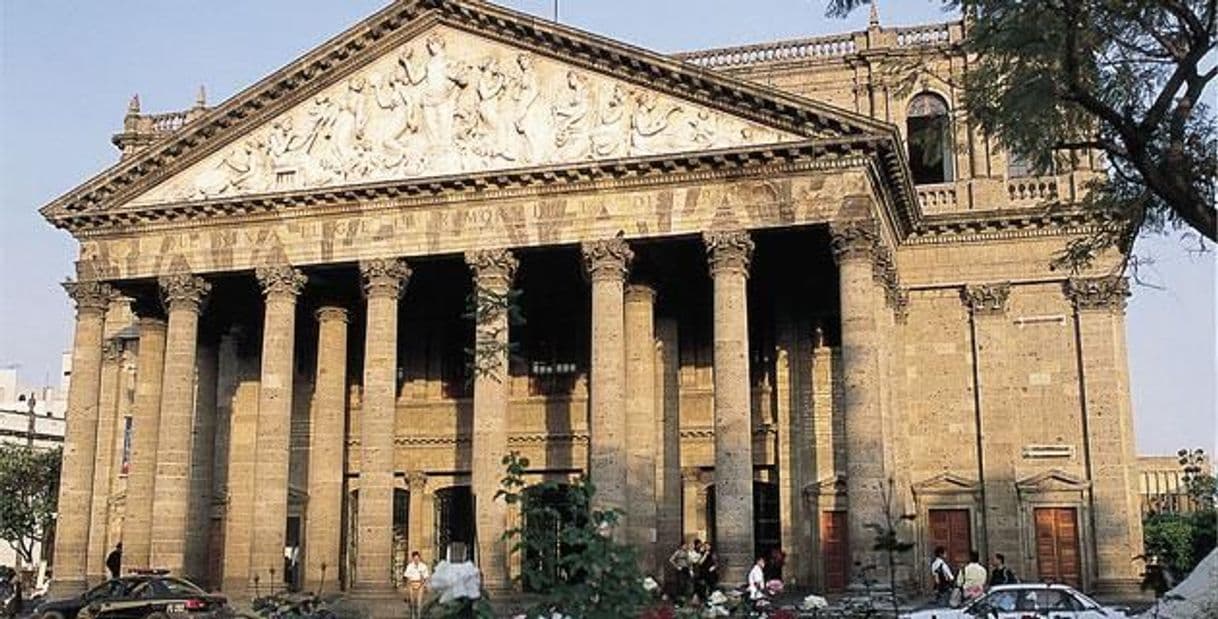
(1056, 79)
(578, 568)
(29, 491)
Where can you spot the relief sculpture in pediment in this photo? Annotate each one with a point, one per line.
(448, 104)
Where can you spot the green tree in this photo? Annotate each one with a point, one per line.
(29, 491)
(593, 576)
(1053, 78)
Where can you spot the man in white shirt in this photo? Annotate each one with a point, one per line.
(417, 573)
(972, 578)
(942, 575)
(757, 580)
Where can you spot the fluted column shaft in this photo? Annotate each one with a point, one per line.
(607, 263)
(323, 526)
(493, 272)
(183, 296)
(107, 405)
(384, 282)
(668, 453)
(281, 285)
(854, 247)
(80, 437)
(729, 254)
(642, 422)
(150, 365)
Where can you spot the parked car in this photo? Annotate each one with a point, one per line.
(1026, 600)
(153, 596)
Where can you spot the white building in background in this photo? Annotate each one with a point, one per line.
(32, 416)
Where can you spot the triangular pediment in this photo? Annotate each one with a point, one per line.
(946, 483)
(452, 88)
(1050, 481)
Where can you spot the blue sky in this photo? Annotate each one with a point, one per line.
(68, 69)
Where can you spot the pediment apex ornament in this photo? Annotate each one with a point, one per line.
(1052, 480)
(1098, 293)
(728, 251)
(853, 240)
(607, 258)
(183, 291)
(280, 280)
(448, 102)
(384, 277)
(985, 299)
(493, 268)
(826, 486)
(90, 296)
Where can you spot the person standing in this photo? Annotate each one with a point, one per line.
(942, 574)
(972, 578)
(679, 560)
(114, 560)
(757, 580)
(1000, 574)
(417, 574)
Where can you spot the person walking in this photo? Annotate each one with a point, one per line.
(417, 574)
(972, 578)
(1000, 574)
(114, 560)
(941, 572)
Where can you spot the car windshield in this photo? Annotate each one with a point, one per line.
(175, 587)
(106, 590)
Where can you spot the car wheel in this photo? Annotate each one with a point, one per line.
(51, 614)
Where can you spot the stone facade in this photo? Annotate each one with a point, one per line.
(757, 316)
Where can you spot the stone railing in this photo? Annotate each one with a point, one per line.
(169, 121)
(778, 51)
(918, 36)
(1032, 189)
(938, 198)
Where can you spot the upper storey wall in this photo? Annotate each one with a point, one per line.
(868, 72)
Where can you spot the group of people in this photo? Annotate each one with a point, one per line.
(971, 581)
(694, 570)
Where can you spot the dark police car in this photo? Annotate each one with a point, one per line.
(139, 596)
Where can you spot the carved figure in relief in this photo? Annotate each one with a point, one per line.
(704, 129)
(650, 125)
(570, 116)
(532, 123)
(401, 121)
(235, 172)
(495, 131)
(439, 89)
(610, 138)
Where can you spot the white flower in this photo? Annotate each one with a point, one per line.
(813, 602)
(650, 584)
(456, 580)
(716, 598)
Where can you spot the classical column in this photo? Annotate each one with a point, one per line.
(668, 452)
(240, 497)
(691, 486)
(642, 422)
(145, 428)
(854, 248)
(327, 431)
(1108, 418)
(183, 295)
(728, 254)
(416, 482)
(202, 466)
(493, 271)
(793, 385)
(107, 406)
(607, 263)
(384, 282)
(281, 285)
(80, 438)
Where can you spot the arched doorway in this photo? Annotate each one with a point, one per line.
(454, 523)
(929, 139)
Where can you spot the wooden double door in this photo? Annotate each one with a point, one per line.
(953, 530)
(1057, 545)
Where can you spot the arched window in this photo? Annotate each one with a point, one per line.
(928, 132)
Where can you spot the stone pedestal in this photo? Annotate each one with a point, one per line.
(323, 524)
(80, 437)
(280, 287)
(384, 281)
(607, 263)
(150, 361)
(728, 254)
(493, 271)
(184, 296)
(642, 422)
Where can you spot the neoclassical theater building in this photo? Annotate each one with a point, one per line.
(762, 295)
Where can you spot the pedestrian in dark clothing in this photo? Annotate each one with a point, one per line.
(114, 560)
(942, 574)
(1001, 574)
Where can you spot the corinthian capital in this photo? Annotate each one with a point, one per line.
(90, 296)
(280, 280)
(986, 298)
(492, 268)
(184, 291)
(728, 251)
(1098, 293)
(384, 277)
(607, 259)
(853, 240)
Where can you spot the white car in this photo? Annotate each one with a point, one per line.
(1028, 600)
